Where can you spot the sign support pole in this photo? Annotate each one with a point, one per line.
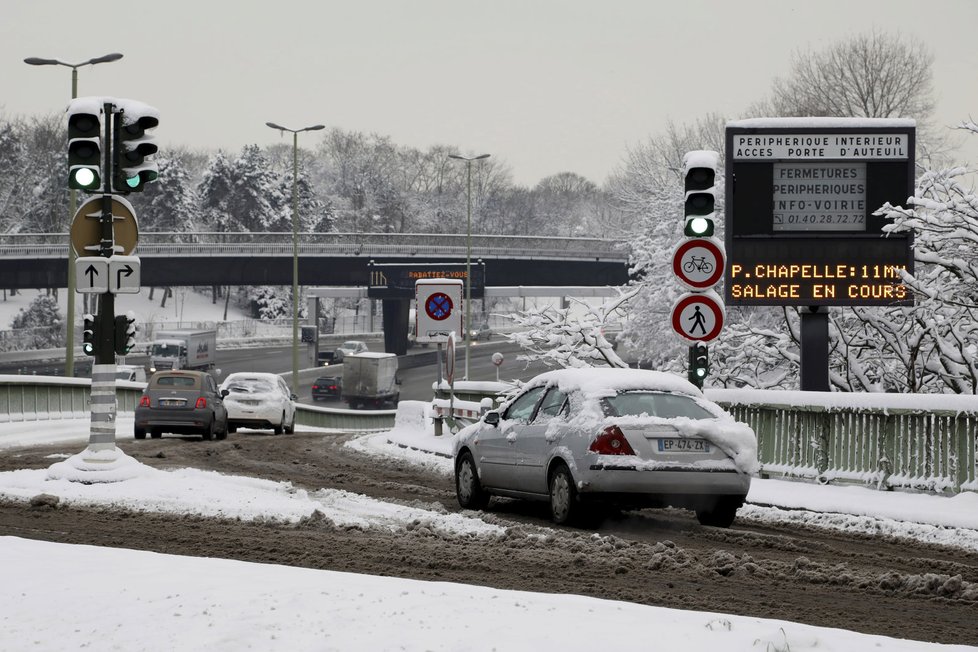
(814, 349)
(102, 432)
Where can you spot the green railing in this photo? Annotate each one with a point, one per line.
(33, 398)
(925, 442)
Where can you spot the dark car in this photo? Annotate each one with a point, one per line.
(183, 403)
(327, 387)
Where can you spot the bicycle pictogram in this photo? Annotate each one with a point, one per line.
(699, 264)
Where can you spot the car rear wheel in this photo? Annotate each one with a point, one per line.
(208, 433)
(222, 434)
(281, 425)
(291, 427)
(140, 433)
(720, 513)
(468, 489)
(566, 507)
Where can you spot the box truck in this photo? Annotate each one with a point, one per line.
(183, 349)
(370, 380)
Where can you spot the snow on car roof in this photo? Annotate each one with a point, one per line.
(598, 381)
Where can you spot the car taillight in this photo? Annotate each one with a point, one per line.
(315, 386)
(201, 403)
(144, 401)
(611, 441)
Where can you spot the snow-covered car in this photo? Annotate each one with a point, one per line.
(584, 439)
(350, 347)
(259, 401)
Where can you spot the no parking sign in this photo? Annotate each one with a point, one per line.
(439, 309)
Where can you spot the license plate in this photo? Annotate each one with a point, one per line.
(679, 445)
(172, 402)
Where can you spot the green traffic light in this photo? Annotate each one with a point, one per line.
(699, 226)
(83, 178)
(133, 182)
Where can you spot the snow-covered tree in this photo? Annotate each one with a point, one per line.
(171, 204)
(565, 337)
(43, 322)
(242, 195)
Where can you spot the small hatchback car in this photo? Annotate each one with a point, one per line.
(327, 387)
(181, 402)
(260, 401)
(582, 438)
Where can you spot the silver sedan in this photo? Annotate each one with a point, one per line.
(585, 438)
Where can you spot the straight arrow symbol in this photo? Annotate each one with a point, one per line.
(92, 272)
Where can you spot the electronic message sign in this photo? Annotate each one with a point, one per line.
(800, 198)
(397, 280)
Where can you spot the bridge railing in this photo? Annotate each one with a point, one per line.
(339, 244)
(43, 398)
(921, 442)
(915, 441)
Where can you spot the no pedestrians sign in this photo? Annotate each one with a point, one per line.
(698, 317)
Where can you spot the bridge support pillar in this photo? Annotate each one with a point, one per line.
(396, 313)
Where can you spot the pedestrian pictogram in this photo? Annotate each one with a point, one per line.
(698, 317)
(439, 306)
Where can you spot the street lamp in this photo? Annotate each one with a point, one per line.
(468, 255)
(295, 245)
(70, 339)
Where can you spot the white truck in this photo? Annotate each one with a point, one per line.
(183, 349)
(370, 380)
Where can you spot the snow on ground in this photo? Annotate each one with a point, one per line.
(125, 599)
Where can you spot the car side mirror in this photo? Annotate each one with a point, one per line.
(294, 396)
(492, 418)
(224, 393)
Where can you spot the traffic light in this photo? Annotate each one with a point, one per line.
(699, 364)
(125, 333)
(88, 334)
(85, 144)
(699, 179)
(132, 144)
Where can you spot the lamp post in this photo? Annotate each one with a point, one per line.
(295, 245)
(72, 199)
(468, 255)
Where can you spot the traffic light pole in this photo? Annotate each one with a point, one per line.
(102, 432)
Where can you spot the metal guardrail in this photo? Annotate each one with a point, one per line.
(916, 441)
(921, 442)
(38, 398)
(151, 243)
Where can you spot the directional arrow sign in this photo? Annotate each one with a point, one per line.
(92, 274)
(123, 274)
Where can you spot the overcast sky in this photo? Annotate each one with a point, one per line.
(544, 85)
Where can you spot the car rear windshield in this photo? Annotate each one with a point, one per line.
(186, 382)
(327, 380)
(251, 385)
(655, 404)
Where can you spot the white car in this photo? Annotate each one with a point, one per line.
(259, 401)
(585, 438)
(350, 347)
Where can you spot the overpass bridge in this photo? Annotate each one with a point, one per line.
(170, 259)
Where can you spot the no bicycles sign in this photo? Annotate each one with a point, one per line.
(698, 263)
